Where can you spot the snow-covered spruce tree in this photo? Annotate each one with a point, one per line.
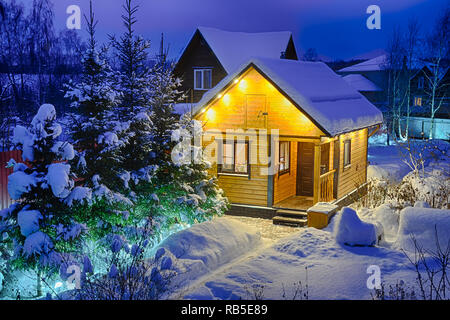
(100, 137)
(198, 193)
(165, 93)
(40, 226)
(133, 80)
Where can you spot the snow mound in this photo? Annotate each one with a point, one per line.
(351, 230)
(206, 246)
(423, 223)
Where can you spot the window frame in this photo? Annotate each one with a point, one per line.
(221, 171)
(287, 159)
(202, 78)
(348, 163)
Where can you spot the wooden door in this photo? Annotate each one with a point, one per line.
(305, 169)
(255, 111)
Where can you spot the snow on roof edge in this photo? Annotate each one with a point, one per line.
(305, 104)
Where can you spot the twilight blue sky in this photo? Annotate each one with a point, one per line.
(336, 28)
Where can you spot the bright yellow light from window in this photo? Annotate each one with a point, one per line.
(210, 114)
(219, 95)
(243, 84)
(236, 81)
(203, 110)
(226, 99)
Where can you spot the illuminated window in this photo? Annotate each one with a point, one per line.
(284, 157)
(418, 101)
(347, 152)
(202, 79)
(234, 157)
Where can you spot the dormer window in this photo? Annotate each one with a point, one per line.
(202, 79)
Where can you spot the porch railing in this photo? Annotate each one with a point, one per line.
(326, 181)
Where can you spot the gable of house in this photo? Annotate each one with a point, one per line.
(222, 52)
(322, 96)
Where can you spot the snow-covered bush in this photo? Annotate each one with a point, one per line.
(351, 230)
(128, 275)
(41, 226)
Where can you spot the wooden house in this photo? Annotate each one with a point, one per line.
(212, 54)
(284, 134)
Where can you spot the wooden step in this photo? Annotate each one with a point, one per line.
(288, 221)
(292, 214)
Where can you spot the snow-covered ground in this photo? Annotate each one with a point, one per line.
(285, 263)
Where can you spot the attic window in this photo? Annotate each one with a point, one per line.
(420, 83)
(202, 79)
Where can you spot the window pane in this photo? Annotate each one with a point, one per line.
(241, 157)
(207, 79)
(346, 153)
(228, 157)
(198, 79)
(284, 156)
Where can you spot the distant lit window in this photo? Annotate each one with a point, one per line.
(420, 83)
(347, 152)
(202, 79)
(418, 101)
(284, 157)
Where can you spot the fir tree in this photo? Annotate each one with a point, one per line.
(133, 80)
(164, 94)
(41, 225)
(97, 131)
(191, 177)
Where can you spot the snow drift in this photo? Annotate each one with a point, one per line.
(422, 224)
(206, 246)
(351, 230)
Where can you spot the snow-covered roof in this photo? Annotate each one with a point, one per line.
(375, 64)
(330, 102)
(234, 48)
(361, 83)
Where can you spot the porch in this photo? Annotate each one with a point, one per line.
(311, 175)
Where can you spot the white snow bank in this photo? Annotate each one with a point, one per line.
(422, 223)
(351, 230)
(206, 246)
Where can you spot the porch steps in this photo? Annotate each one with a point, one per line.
(292, 218)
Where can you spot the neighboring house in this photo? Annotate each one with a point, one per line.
(318, 151)
(375, 71)
(420, 115)
(211, 54)
(366, 87)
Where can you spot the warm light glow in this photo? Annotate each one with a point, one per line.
(236, 81)
(210, 114)
(243, 84)
(226, 99)
(204, 110)
(219, 95)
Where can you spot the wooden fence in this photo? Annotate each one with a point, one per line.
(5, 200)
